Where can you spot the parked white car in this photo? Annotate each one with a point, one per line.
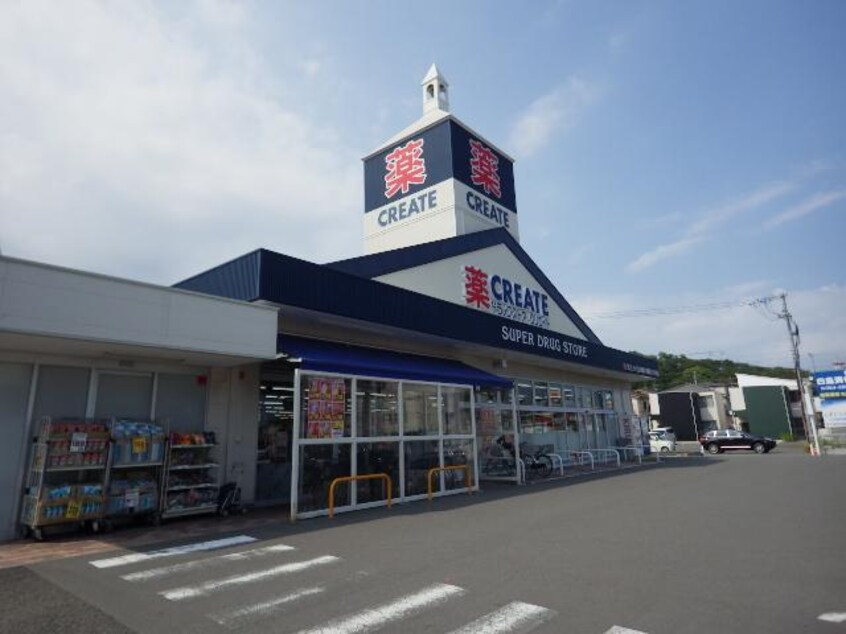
(661, 442)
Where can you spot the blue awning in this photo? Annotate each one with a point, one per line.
(324, 356)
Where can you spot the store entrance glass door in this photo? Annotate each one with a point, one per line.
(275, 438)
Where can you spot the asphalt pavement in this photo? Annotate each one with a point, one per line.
(729, 544)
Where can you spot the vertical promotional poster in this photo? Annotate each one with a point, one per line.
(326, 405)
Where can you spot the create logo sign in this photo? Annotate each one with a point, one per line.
(404, 166)
(484, 168)
(500, 296)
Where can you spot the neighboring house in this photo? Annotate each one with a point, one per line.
(691, 409)
(768, 406)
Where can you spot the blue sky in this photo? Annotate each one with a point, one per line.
(668, 153)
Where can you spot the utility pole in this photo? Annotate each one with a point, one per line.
(793, 332)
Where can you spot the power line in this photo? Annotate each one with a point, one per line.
(678, 310)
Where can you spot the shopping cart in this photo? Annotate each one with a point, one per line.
(229, 499)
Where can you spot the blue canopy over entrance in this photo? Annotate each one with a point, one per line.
(324, 356)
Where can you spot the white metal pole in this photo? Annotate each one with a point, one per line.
(295, 453)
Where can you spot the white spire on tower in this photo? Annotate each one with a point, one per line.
(435, 91)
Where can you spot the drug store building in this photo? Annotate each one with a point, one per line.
(442, 344)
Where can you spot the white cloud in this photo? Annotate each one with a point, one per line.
(151, 145)
(710, 220)
(717, 216)
(742, 333)
(807, 206)
(549, 115)
(663, 252)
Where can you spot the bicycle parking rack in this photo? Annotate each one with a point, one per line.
(560, 462)
(607, 452)
(521, 471)
(581, 455)
(434, 470)
(369, 476)
(637, 452)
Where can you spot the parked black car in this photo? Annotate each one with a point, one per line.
(720, 440)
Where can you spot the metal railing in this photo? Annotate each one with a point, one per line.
(581, 455)
(369, 476)
(521, 471)
(637, 452)
(607, 452)
(434, 470)
(554, 457)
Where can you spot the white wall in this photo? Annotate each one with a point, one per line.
(233, 416)
(44, 300)
(753, 380)
(654, 407)
(436, 223)
(444, 280)
(736, 399)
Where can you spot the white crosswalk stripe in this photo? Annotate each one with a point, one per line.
(190, 592)
(134, 558)
(236, 617)
(616, 629)
(374, 618)
(199, 564)
(833, 617)
(513, 617)
(509, 618)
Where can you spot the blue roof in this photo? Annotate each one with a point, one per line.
(281, 279)
(379, 264)
(325, 356)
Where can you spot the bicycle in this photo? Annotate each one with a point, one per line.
(537, 461)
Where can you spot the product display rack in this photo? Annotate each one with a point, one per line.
(67, 475)
(135, 471)
(191, 482)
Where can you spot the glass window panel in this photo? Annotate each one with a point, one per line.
(181, 402)
(496, 456)
(377, 457)
(598, 400)
(420, 409)
(541, 394)
(456, 408)
(507, 417)
(608, 399)
(486, 395)
(457, 452)
(420, 456)
(585, 398)
(572, 421)
(525, 394)
(326, 407)
(275, 440)
(506, 396)
(377, 408)
(319, 465)
(124, 396)
(613, 426)
(559, 422)
(527, 422)
(543, 422)
(62, 392)
(488, 421)
(555, 395)
(569, 396)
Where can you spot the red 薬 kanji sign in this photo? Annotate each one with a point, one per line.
(405, 167)
(484, 168)
(476, 287)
